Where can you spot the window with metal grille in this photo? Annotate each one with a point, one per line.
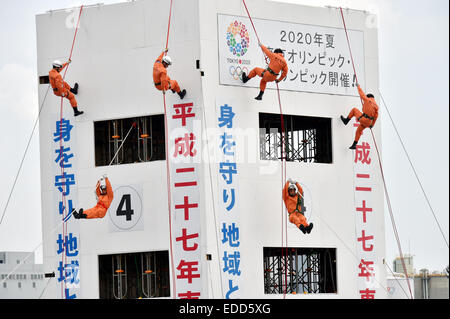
(145, 141)
(134, 275)
(307, 139)
(299, 270)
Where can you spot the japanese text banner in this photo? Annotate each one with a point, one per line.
(228, 197)
(184, 153)
(368, 272)
(318, 57)
(67, 240)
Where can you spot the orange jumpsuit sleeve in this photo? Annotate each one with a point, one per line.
(109, 191)
(267, 52)
(375, 117)
(285, 191)
(159, 59)
(285, 71)
(362, 95)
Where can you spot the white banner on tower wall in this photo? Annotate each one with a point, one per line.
(184, 154)
(318, 57)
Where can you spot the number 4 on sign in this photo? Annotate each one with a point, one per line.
(125, 201)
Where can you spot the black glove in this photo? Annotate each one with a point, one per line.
(78, 215)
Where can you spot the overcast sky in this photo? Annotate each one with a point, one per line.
(413, 58)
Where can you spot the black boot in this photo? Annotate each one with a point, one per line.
(76, 112)
(78, 215)
(244, 77)
(302, 228)
(74, 90)
(182, 94)
(260, 95)
(308, 229)
(353, 147)
(345, 120)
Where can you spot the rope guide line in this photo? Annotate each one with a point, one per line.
(24, 155)
(414, 170)
(284, 217)
(64, 212)
(381, 167)
(169, 193)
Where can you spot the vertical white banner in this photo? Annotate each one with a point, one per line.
(228, 193)
(318, 57)
(365, 220)
(67, 239)
(184, 156)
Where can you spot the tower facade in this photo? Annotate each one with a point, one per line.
(197, 209)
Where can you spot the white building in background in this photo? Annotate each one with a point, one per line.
(20, 282)
(408, 260)
(221, 230)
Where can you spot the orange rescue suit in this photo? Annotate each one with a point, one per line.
(369, 115)
(61, 88)
(276, 65)
(292, 205)
(161, 79)
(104, 201)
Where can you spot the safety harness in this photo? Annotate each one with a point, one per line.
(299, 204)
(270, 71)
(366, 116)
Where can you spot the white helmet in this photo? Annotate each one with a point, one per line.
(167, 60)
(292, 186)
(57, 64)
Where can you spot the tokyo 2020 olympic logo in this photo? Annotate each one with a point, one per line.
(238, 39)
(236, 72)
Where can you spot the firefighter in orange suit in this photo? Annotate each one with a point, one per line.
(161, 79)
(61, 88)
(104, 195)
(277, 64)
(293, 200)
(366, 118)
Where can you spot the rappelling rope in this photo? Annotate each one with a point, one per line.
(64, 256)
(169, 193)
(254, 29)
(65, 217)
(351, 251)
(284, 217)
(381, 167)
(414, 170)
(24, 154)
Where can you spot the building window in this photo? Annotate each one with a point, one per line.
(19, 284)
(299, 270)
(145, 142)
(34, 285)
(134, 275)
(4, 285)
(307, 139)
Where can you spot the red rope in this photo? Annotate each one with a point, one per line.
(254, 29)
(169, 197)
(73, 42)
(168, 27)
(283, 182)
(283, 169)
(381, 170)
(169, 193)
(64, 212)
(392, 216)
